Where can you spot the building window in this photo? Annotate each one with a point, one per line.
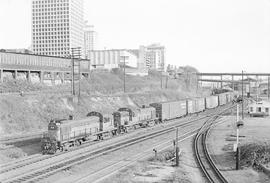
(267, 109)
(251, 109)
(259, 109)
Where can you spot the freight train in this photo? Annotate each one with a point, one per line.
(63, 134)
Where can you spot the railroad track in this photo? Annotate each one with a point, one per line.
(41, 173)
(37, 158)
(38, 174)
(202, 155)
(20, 138)
(105, 172)
(12, 166)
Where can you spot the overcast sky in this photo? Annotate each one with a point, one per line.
(211, 35)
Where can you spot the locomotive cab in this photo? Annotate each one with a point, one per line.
(51, 140)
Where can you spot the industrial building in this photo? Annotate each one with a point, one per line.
(259, 108)
(115, 58)
(38, 68)
(145, 58)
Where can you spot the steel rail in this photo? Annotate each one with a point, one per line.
(34, 159)
(201, 135)
(98, 175)
(58, 166)
(161, 146)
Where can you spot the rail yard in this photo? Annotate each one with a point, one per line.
(100, 145)
(44, 171)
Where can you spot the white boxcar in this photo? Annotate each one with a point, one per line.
(222, 100)
(211, 102)
(199, 104)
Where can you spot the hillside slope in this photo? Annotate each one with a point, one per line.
(103, 92)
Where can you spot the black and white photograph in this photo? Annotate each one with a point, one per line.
(134, 91)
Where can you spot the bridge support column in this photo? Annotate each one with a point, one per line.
(53, 76)
(268, 88)
(233, 82)
(63, 77)
(1, 75)
(221, 83)
(15, 74)
(41, 76)
(28, 76)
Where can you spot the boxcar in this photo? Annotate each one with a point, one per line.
(211, 102)
(222, 100)
(229, 97)
(190, 106)
(169, 110)
(199, 104)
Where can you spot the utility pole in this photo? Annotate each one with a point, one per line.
(167, 78)
(124, 58)
(268, 88)
(176, 149)
(242, 95)
(75, 54)
(161, 79)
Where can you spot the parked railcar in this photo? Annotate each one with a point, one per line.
(199, 104)
(66, 133)
(222, 100)
(211, 102)
(229, 97)
(170, 110)
(190, 106)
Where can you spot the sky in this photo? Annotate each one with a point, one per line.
(210, 35)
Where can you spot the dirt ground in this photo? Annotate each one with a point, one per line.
(220, 143)
(148, 171)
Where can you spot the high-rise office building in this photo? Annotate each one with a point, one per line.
(57, 26)
(90, 38)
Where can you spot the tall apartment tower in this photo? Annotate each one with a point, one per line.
(90, 39)
(155, 57)
(57, 26)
